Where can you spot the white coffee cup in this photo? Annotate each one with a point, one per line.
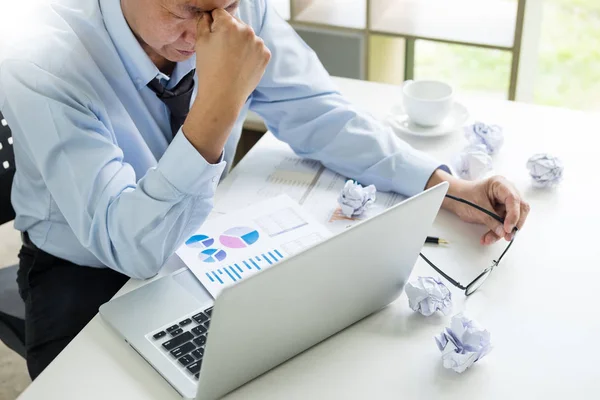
(427, 103)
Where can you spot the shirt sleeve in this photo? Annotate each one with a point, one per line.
(301, 106)
(130, 225)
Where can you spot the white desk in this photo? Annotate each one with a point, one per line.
(540, 305)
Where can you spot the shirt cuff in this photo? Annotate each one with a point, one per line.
(185, 168)
(419, 168)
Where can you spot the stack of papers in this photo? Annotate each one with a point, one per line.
(275, 169)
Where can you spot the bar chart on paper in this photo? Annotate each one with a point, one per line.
(293, 176)
(237, 271)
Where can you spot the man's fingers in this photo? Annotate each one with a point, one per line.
(220, 19)
(507, 195)
(525, 208)
(204, 23)
(492, 223)
(513, 213)
(489, 238)
(494, 226)
(219, 13)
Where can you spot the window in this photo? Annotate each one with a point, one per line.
(568, 63)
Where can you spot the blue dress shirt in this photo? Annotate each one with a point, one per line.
(101, 182)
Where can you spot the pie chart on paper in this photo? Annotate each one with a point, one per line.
(200, 241)
(239, 237)
(212, 255)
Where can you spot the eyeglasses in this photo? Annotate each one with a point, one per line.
(481, 278)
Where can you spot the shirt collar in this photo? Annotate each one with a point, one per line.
(139, 66)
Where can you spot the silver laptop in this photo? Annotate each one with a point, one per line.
(207, 348)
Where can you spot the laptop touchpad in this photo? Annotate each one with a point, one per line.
(192, 285)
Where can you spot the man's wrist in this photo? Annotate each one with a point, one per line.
(455, 188)
(209, 124)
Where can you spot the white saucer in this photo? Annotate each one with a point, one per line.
(453, 122)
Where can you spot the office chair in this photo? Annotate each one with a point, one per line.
(12, 307)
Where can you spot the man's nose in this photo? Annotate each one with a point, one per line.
(190, 33)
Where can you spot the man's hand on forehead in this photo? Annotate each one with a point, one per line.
(231, 60)
(194, 8)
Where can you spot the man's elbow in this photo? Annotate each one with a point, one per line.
(142, 274)
(138, 268)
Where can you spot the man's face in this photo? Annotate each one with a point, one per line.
(167, 28)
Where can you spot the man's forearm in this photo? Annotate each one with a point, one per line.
(208, 125)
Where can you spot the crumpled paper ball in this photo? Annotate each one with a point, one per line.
(355, 199)
(463, 343)
(545, 170)
(427, 294)
(491, 136)
(473, 162)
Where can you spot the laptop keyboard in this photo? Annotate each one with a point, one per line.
(183, 342)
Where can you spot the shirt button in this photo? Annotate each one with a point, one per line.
(138, 81)
(214, 179)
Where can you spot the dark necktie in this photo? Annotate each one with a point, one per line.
(177, 99)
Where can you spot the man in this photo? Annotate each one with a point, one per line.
(115, 169)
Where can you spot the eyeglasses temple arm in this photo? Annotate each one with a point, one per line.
(483, 210)
(507, 247)
(439, 271)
